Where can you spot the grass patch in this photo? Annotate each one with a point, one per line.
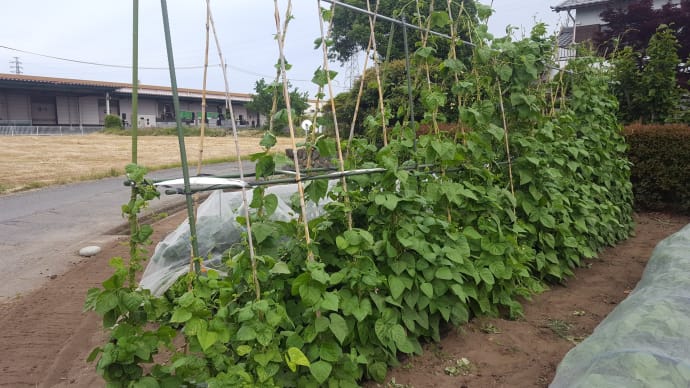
(31, 162)
(559, 327)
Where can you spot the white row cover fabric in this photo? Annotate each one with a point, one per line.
(217, 230)
(645, 341)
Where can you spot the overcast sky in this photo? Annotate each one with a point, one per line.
(100, 31)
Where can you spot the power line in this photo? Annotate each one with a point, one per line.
(97, 63)
(91, 63)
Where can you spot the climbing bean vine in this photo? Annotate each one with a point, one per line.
(427, 247)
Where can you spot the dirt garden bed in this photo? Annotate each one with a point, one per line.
(45, 338)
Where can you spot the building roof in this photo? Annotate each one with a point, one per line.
(114, 87)
(575, 4)
(565, 37)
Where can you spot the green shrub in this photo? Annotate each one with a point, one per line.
(171, 131)
(660, 174)
(113, 121)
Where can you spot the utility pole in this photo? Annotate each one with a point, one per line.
(16, 66)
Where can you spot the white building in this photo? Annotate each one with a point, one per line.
(584, 20)
(47, 101)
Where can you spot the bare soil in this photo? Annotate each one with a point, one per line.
(45, 337)
(37, 161)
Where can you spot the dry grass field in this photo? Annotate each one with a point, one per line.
(30, 162)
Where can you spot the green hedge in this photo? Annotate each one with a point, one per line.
(113, 121)
(661, 166)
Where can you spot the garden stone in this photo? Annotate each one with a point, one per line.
(89, 251)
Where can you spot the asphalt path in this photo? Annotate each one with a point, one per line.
(41, 231)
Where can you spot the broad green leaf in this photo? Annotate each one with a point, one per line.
(181, 315)
(505, 72)
(486, 276)
(245, 333)
(439, 19)
(459, 251)
(362, 310)
(243, 350)
(316, 189)
(496, 131)
(459, 292)
(389, 201)
(498, 268)
(107, 301)
(570, 242)
(378, 371)
(330, 301)
(427, 289)
(268, 140)
(339, 327)
(146, 382)
(321, 76)
(206, 338)
(264, 334)
(265, 166)
(444, 273)
(280, 267)
(194, 326)
(548, 221)
(327, 147)
(266, 357)
(310, 295)
(400, 338)
(270, 204)
(396, 286)
(262, 231)
(295, 357)
(471, 233)
(321, 370)
(330, 351)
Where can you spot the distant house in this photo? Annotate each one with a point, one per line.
(584, 20)
(47, 101)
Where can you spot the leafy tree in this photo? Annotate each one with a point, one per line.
(627, 73)
(262, 100)
(635, 25)
(659, 76)
(646, 84)
(351, 29)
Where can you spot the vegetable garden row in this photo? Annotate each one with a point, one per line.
(531, 180)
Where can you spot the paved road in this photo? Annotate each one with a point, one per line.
(41, 231)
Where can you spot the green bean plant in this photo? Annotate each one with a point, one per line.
(456, 226)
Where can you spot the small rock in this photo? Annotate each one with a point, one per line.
(89, 251)
(53, 277)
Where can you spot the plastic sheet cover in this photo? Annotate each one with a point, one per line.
(217, 230)
(645, 341)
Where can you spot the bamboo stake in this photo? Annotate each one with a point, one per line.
(203, 125)
(291, 126)
(359, 100)
(203, 91)
(274, 106)
(335, 118)
(454, 55)
(245, 202)
(505, 132)
(180, 133)
(372, 25)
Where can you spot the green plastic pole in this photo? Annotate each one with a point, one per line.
(180, 136)
(133, 220)
(135, 79)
